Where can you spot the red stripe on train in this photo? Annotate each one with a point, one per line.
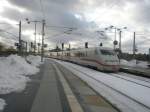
(97, 61)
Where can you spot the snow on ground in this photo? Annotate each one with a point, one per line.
(135, 77)
(134, 91)
(14, 72)
(2, 104)
(132, 63)
(35, 60)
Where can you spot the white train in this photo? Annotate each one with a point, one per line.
(102, 58)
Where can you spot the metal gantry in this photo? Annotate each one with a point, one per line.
(115, 42)
(43, 34)
(35, 27)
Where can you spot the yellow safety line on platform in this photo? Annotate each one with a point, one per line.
(74, 104)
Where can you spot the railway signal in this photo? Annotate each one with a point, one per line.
(17, 44)
(62, 46)
(115, 42)
(69, 46)
(86, 44)
(101, 44)
(45, 45)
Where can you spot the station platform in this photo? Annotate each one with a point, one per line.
(61, 91)
(145, 72)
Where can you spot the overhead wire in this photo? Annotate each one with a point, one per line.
(55, 35)
(60, 27)
(8, 38)
(63, 27)
(42, 9)
(145, 40)
(58, 34)
(9, 33)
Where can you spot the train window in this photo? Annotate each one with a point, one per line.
(107, 52)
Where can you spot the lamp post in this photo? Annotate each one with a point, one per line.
(20, 44)
(35, 27)
(43, 34)
(115, 42)
(120, 36)
(39, 44)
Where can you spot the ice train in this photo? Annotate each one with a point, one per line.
(102, 58)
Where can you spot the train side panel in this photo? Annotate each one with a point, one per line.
(100, 58)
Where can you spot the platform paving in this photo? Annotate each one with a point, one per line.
(47, 98)
(88, 98)
(56, 89)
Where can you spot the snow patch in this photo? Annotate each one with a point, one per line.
(2, 104)
(35, 60)
(14, 72)
(134, 63)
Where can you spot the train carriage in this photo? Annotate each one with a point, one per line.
(102, 58)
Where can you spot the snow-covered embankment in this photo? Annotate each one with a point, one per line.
(14, 72)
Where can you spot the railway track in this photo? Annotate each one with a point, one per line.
(113, 107)
(141, 78)
(120, 92)
(136, 81)
(128, 78)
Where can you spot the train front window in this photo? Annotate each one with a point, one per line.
(107, 52)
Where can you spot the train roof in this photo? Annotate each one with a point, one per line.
(91, 48)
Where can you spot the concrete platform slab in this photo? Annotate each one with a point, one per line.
(47, 98)
(89, 99)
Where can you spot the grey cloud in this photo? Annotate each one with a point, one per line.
(29, 4)
(12, 14)
(142, 13)
(61, 13)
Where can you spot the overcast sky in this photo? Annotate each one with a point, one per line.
(87, 16)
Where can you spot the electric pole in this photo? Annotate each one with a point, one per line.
(120, 52)
(120, 34)
(39, 44)
(26, 48)
(69, 47)
(38, 48)
(134, 44)
(115, 37)
(20, 43)
(35, 38)
(115, 42)
(35, 27)
(42, 48)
